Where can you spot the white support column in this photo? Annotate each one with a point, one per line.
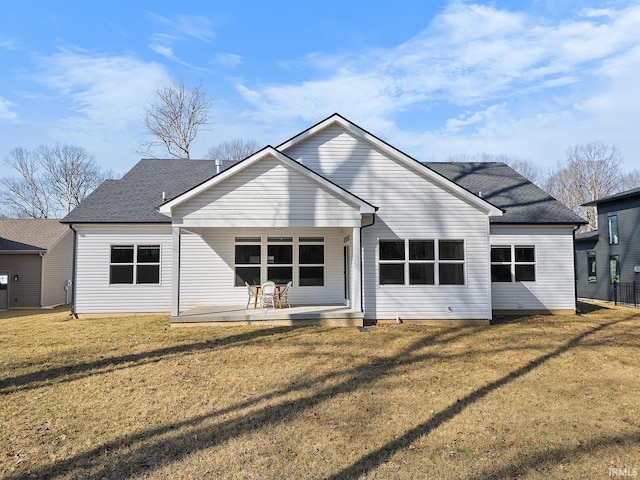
(175, 272)
(357, 271)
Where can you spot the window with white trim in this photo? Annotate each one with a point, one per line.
(280, 259)
(421, 262)
(311, 261)
(248, 262)
(513, 263)
(134, 264)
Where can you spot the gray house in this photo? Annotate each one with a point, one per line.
(610, 254)
(36, 261)
(357, 226)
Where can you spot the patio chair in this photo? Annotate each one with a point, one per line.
(252, 296)
(269, 295)
(284, 294)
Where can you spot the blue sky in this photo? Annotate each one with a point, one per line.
(435, 79)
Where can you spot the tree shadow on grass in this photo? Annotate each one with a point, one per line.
(155, 448)
(547, 458)
(69, 373)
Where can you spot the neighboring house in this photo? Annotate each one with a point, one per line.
(610, 254)
(36, 261)
(349, 218)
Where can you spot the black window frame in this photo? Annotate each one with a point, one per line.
(421, 262)
(520, 268)
(136, 268)
(311, 270)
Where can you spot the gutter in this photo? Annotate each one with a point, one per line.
(73, 313)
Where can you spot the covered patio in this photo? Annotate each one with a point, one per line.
(303, 315)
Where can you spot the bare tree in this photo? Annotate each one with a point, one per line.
(589, 172)
(50, 181)
(174, 118)
(233, 151)
(24, 196)
(524, 167)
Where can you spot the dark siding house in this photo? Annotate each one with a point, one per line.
(610, 254)
(36, 260)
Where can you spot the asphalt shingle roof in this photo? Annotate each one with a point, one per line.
(523, 201)
(634, 192)
(34, 234)
(135, 197)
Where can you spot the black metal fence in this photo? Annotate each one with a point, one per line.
(627, 293)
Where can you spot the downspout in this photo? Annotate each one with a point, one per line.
(575, 273)
(41, 279)
(73, 313)
(362, 269)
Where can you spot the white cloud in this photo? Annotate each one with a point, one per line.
(5, 110)
(506, 73)
(228, 59)
(106, 96)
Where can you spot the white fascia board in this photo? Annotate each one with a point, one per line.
(406, 160)
(363, 206)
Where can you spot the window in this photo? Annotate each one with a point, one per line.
(248, 261)
(413, 262)
(421, 262)
(392, 257)
(280, 259)
(614, 268)
(311, 261)
(525, 264)
(134, 264)
(501, 264)
(613, 229)
(451, 255)
(591, 267)
(513, 263)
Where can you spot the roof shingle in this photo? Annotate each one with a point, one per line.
(33, 234)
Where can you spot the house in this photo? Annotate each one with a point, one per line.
(351, 220)
(36, 259)
(610, 254)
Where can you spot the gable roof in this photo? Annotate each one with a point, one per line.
(36, 235)
(135, 197)
(269, 151)
(522, 201)
(388, 149)
(634, 192)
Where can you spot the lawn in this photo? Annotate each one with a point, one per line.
(114, 398)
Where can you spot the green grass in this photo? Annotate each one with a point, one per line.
(541, 397)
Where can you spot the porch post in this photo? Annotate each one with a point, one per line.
(357, 270)
(175, 271)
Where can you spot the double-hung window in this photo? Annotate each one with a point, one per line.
(134, 264)
(248, 261)
(280, 259)
(311, 261)
(513, 263)
(419, 262)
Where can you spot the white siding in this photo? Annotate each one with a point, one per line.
(266, 194)
(554, 288)
(57, 267)
(410, 206)
(93, 292)
(207, 267)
